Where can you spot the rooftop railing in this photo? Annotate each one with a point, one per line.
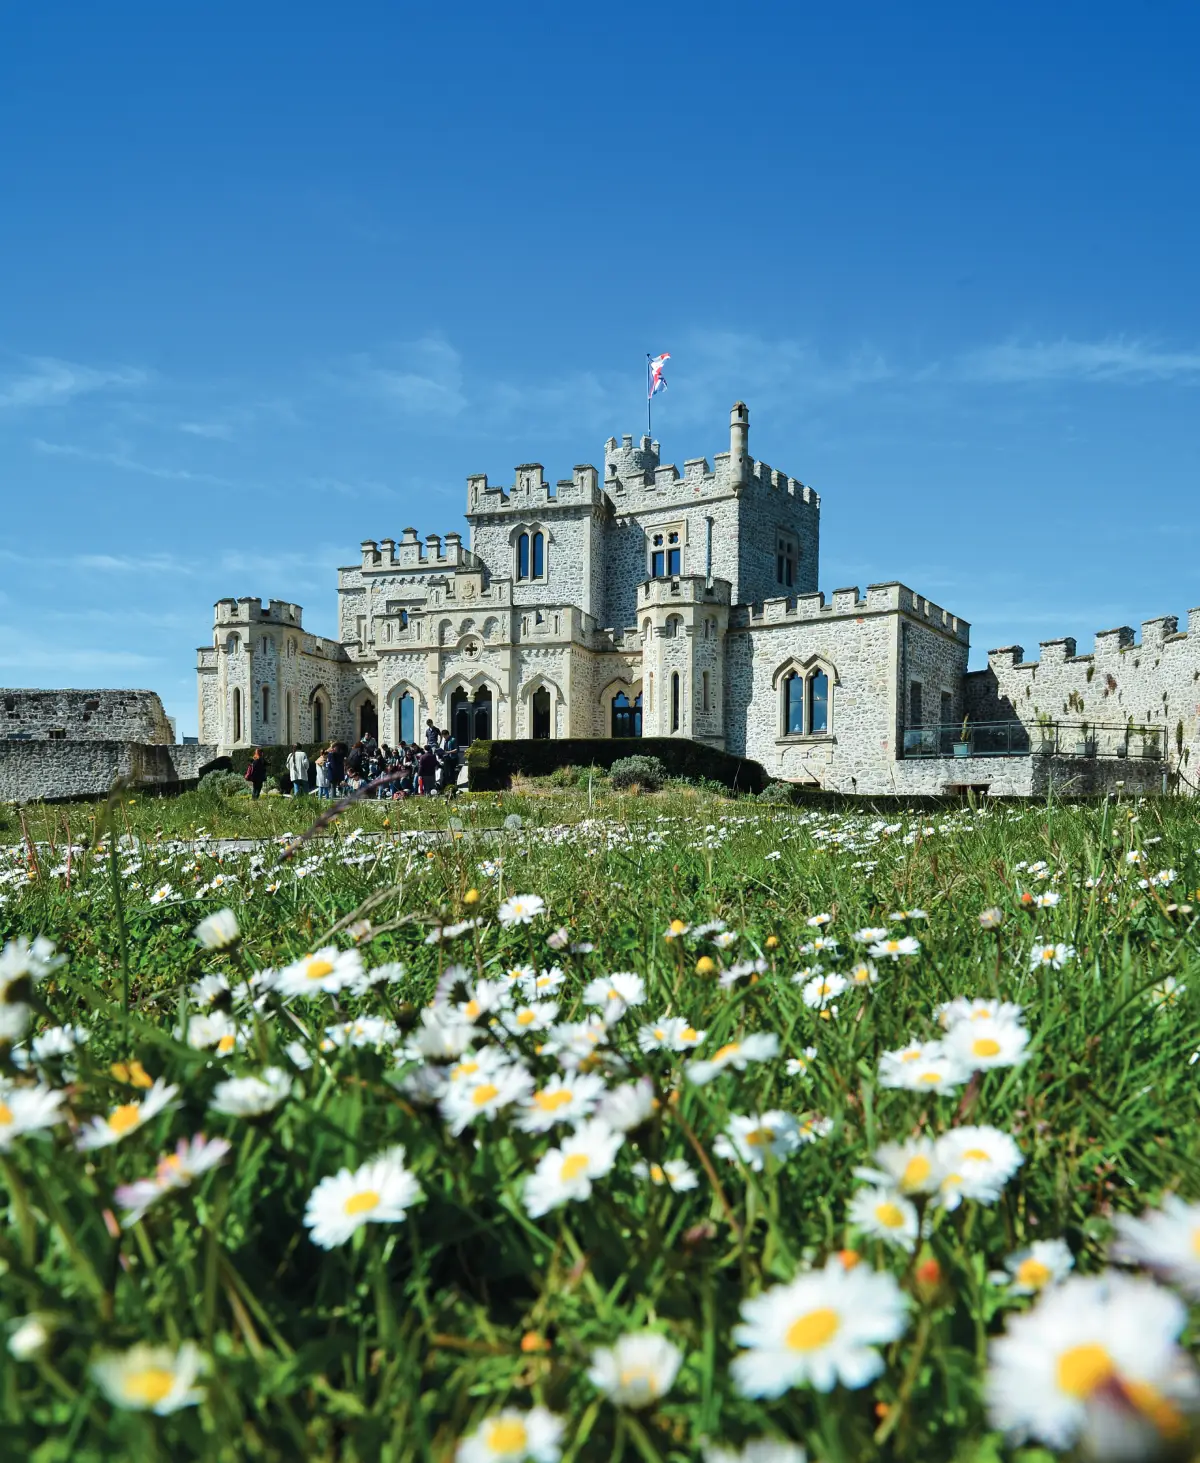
(1043, 739)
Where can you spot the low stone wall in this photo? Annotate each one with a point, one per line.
(1025, 777)
(102, 715)
(35, 770)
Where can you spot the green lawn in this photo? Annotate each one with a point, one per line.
(629, 1218)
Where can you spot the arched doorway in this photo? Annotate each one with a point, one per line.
(318, 711)
(483, 715)
(471, 716)
(406, 718)
(540, 706)
(626, 715)
(368, 720)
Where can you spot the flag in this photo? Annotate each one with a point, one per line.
(655, 380)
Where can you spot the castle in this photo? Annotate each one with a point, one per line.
(646, 601)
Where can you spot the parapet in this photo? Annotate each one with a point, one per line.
(531, 493)
(439, 551)
(106, 715)
(248, 610)
(880, 599)
(1107, 644)
(683, 589)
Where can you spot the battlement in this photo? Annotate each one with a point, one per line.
(880, 599)
(683, 589)
(410, 555)
(250, 611)
(532, 493)
(1106, 645)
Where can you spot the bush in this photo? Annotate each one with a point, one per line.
(224, 784)
(648, 773)
(777, 792)
(492, 765)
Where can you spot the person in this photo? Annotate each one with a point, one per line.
(431, 733)
(322, 776)
(356, 760)
(427, 765)
(335, 767)
(297, 766)
(256, 773)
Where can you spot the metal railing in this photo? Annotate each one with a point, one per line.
(1043, 739)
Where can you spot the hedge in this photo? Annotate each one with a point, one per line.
(491, 765)
(276, 760)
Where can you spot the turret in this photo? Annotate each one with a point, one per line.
(739, 443)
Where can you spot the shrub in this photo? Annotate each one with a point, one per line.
(224, 784)
(647, 773)
(777, 792)
(492, 765)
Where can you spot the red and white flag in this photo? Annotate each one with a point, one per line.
(655, 380)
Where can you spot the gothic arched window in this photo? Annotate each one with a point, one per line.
(793, 706)
(804, 704)
(523, 557)
(818, 703)
(539, 556)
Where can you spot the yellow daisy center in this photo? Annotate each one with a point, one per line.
(226, 1045)
(813, 1330)
(526, 1018)
(1082, 1369)
(126, 1117)
(573, 1166)
(1196, 1241)
(657, 1174)
(465, 1069)
(758, 1137)
(319, 969)
(484, 1093)
(552, 1101)
(678, 927)
(688, 1034)
(471, 1009)
(985, 1046)
(980, 1155)
(509, 1435)
(659, 1033)
(148, 1386)
(362, 1202)
(726, 1051)
(930, 1078)
(916, 1172)
(911, 1056)
(1032, 1273)
(6, 1114)
(891, 1216)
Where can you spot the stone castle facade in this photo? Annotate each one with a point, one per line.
(645, 600)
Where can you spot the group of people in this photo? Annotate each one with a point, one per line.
(396, 772)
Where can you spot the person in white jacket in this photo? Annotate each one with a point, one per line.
(297, 766)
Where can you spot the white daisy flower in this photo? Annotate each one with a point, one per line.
(151, 1378)
(374, 1032)
(1165, 1240)
(758, 1450)
(520, 909)
(885, 1214)
(675, 1174)
(29, 1336)
(822, 989)
(980, 1045)
(21, 959)
(798, 1066)
(379, 1192)
(893, 949)
(751, 1137)
(863, 973)
(1096, 1361)
(28, 1110)
(539, 1016)
(163, 894)
(217, 1030)
(192, 1157)
(512, 1436)
(484, 996)
(991, 919)
(251, 1097)
(566, 1173)
(924, 1067)
(127, 1118)
(615, 993)
(572, 1043)
(542, 982)
(820, 1329)
(627, 1106)
(871, 934)
(740, 970)
(640, 1369)
(568, 1099)
(950, 1013)
(1054, 956)
(1045, 1263)
(324, 972)
(1166, 993)
(676, 929)
(910, 1166)
(725, 939)
(444, 934)
(218, 931)
(209, 990)
(669, 1033)
(1047, 899)
(442, 1036)
(465, 1102)
(759, 1046)
(974, 1163)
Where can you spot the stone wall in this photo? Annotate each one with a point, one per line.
(84, 715)
(41, 769)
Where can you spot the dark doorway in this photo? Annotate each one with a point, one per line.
(471, 717)
(368, 720)
(541, 714)
(483, 714)
(626, 715)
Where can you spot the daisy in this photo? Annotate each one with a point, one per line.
(325, 972)
(484, 996)
(974, 1163)
(615, 993)
(1166, 993)
(1097, 1359)
(628, 1106)
(885, 1214)
(162, 894)
(759, 1046)
(991, 919)
(572, 1043)
(443, 934)
(950, 1013)
(29, 1336)
(1166, 1240)
(20, 958)
(818, 921)
(640, 1369)
(676, 930)
(979, 1045)
(541, 983)
(28, 1110)
(209, 990)
(510, 1436)
(675, 1174)
(151, 1378)
(566, 1173)
(1054, 956)
(871, 934)
(923, 1067)
(798, 1066)
(725, 939)
(1045, 1263)
(758, 1450)
(379, 1192)
(670, 1033)
(539, 1016)
(251, 1097)
(127, 1118)
(218, 1030)
(1047, 899)
(863, 973)
(822, 989)
(568, 1099)
(373, 1032)
(520, 909)
(740, 970)
(820, 1329)
(218, 931)
(909, 1166)
(893, 949)
(899, 914)
(751, 1137)
(192, 1157)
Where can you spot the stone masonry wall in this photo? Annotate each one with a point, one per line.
(84, 715)
(41, 769)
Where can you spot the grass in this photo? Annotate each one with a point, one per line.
(408, 1337)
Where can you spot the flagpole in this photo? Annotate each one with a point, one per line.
(649, 397)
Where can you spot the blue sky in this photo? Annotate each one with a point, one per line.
(275, 278)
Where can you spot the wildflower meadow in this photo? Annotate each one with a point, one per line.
(599, 1127)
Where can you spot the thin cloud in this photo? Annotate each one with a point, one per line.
(1115, 360)
(421, 377)
(129, 464)
(45, 381)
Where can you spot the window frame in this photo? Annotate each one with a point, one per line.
(799, 701)
(664, 550)
(787, 558)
